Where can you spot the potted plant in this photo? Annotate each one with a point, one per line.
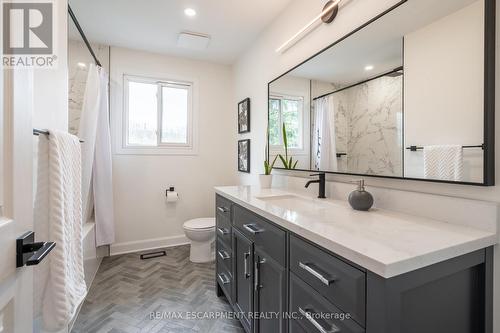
(266, 179)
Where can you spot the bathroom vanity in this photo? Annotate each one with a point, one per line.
(289, 263)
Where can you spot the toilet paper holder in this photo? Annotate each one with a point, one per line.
(170, 189)
(171, 195)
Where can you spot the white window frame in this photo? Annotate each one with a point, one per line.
(277, 149)
(161, 148)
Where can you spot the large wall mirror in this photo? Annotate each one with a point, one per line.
(408, 95)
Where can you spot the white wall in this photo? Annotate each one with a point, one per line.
(444, 98)
(260, 64)
(51, 85)
(143, 219)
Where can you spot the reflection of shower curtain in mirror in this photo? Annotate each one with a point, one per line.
(324, 144)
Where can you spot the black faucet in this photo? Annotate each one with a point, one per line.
(321, 181)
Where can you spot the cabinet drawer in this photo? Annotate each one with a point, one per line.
(265, 235)
(223, 207)
(295, 327)
(341, 283)
(224, 256)
(225, 281)
(314, 312)
(223, 230)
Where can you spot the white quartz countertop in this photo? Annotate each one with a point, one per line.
(385, 242)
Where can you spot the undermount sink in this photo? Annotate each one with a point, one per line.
(294, 203)
(279, 197)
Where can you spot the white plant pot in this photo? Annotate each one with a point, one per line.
(265, 181)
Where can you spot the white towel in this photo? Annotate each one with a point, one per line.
(443, 162)
(41, 223)
(66, 287)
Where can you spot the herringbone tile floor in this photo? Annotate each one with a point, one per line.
(127, 291)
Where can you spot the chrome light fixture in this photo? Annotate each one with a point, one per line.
(330, 11)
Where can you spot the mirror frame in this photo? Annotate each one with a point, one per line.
(489, 98)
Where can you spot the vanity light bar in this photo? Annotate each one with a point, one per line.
(290, 42)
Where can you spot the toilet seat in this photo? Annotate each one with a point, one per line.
(201, 234)
(200, 224)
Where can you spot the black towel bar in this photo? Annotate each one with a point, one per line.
(37, 132)
(415, 148)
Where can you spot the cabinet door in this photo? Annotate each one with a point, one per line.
(270, 294)
(243, 279)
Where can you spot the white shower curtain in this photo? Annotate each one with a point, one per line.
(97, 185)
(324, 139)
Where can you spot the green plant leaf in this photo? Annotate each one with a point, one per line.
(285, 164)
(285, 140)
(295, 164)
(274, 161)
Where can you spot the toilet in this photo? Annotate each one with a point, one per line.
(201, 233)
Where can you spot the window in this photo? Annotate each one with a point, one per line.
(286, 110)
(158, 114)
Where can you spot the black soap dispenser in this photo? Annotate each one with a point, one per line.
(360, 199)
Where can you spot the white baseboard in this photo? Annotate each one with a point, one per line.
(147, 244)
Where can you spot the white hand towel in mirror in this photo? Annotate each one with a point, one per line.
(444, 162)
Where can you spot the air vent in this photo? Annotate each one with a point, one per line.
(193, 40)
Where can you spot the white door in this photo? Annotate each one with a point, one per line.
(16, 198)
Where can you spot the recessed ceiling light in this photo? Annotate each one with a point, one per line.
(190, 12)
(82, 65)
(369, 68)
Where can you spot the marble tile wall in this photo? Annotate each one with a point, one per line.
(79, 60)
(368, 126)
(375, 127)
(77, 82)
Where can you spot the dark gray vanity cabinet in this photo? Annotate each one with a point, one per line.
(243, 279)
(340, 283)
(260, 288)
(270, 293)
(258, 283)
(224, 249)
(268, 276)
(279, 282)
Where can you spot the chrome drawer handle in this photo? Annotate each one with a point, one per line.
(252, 228)
(319, 327)
(246, 255)
(224, 255)
(222, 231)
(316, 274)
(222, 209)
(257, 284)
(223, 278)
